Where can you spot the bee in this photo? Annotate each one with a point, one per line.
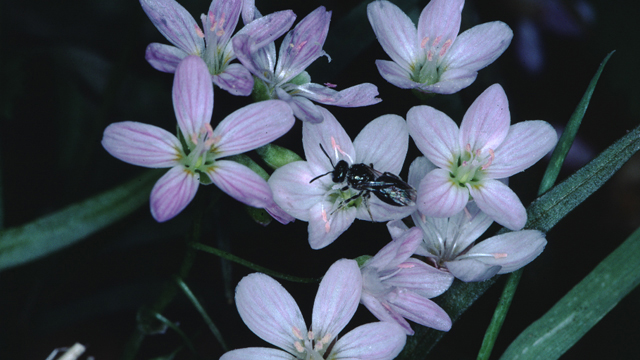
(366, 180)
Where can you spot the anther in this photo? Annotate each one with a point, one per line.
(199, 32)
(424, 41)
(491, 157)
(297, 333)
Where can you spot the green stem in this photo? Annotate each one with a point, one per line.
(250, 265)
(214, 329)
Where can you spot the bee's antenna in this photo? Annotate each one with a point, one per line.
(327, 155)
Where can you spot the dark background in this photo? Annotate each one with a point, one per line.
(71, 68)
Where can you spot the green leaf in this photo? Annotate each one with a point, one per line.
(570, 131)
(65, 227)
(578, 311)
(277, 156)
(542, 214)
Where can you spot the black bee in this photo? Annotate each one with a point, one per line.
(363, 178)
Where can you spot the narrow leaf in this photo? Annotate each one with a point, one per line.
(65, 227)
(578, 311)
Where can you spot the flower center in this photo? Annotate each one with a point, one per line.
(216, 41)
(469, 169)
(200, 153)
(310, 348)
(428, 71)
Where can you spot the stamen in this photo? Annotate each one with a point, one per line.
(406, 266)
(424, 41)
(298, 347)
(445, 47)
(297, 333)
(491, 157)
(310, 335)
(220, 32)
(437, 41)
(500, 255)
(326, 338)
(327, 225)
(299, 46)
(199, 32)
(330, 85)
(468, 148)
(429, 55)
(337, 149)
(212, 21)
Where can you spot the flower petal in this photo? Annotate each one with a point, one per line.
(511, 250)
(324, 227)
(337, 298)
(500, 203)
(235, 79)
(396, 74)
(259, 62)
(469, 224)
(241, 183)
(525, 144)
(440, 18)
(172, 193)
(435, 134)
(268, 28)
(225, 15)
(280, 215)
(252, 126)
(396, 251)
(269, 311)
(374, 341)
(303, 108)
(423, 279)
(396, 228)
(486, 122)
(333, 138)
(418, 169)
(292, 190)
(192, 95)
(384, 312)
(164, 57)
(479, 46)
(256, 353)
(141, 144)
(420, 310)
(439, 197)
(359, 95)
(303, 45)
(451, 81)
(381, 211)
(384, 143)
(395, 32)
(472, 270)
(175, 23)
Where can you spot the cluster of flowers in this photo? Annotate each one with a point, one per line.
(460, 183)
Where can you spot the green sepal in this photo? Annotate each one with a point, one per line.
(277, 156)
(260, 90)
(204, 178)
(301, 79)
(260, 216)
(362, 259)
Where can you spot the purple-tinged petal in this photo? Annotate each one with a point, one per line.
(396, 251)
(325, 228)
(384, 312)
(396, 33)
(141, 144)
(252, 126)
(235, 79)
(280, 215)
(440, 197)
(164, 57)
(423, 279)
(486, 123)
(418, 169)
(192, 95)
(396, 74)
(221, 21)
(471, 270)
(302, 107)
(337, 298)
(512, 250)
(469, 225)
(381, 211)
(175, 23)
(373, 341)
(384, 143)
(257, 63)
(172, 193)
(525, 144)
(241, 183)
(396, 228)
(303, 45)
(479, 46)
(359, 95)
(439, 22)
(266, 29)
(420, 310)
(256, 353)
(435, 134)
(249, 11)
(292, 191)
(451, 81)
(500, 203)
(269, 311)
(333, 138)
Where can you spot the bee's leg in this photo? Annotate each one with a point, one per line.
(366, 196)
(346, 202)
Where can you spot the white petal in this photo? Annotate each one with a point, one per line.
(241, 183)
(511, 250)
(172, 193)
(257, 354)
(192, 95)
(141, 144)
(269, 311)
(440, 197)
(292, 190)
(324, 227)
(435, 134)
(479, 46)
(383, 142)
(486, 122)
(333, 138)
(500, 202)
(472, 270)
(421, 310)
(374, 341)
(395, 32)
